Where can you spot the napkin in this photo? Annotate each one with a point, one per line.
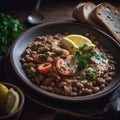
(112, 108)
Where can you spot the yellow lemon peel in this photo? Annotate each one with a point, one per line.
(3, 95)
(12, 101)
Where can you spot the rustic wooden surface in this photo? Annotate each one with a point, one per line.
(53, 10)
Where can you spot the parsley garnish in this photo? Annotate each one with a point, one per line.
(58, 53)
(43, 56)
(99, 55)
(96, 54)
(82, 59)
(103, 56)
(81, 48)
(90, 74)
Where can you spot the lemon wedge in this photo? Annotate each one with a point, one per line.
(3, 95)
(12, 101)
(69, 45)
(73, 41)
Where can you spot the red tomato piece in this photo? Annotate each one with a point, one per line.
(65, 53)
(63, 68)
(44, 68)
(50, 59)
(37, 59)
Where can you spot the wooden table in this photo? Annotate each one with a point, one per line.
(52, 11)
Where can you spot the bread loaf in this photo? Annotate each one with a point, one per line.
(108, 16)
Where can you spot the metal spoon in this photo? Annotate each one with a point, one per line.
(36, 17)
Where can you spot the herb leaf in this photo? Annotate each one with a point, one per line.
(43, 56)
(82, 64)
(10, 29)
(58, 53)
(81, 48)
(90, 74)
(82, 59)
(103, 56)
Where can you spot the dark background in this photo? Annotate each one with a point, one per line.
(11, 4)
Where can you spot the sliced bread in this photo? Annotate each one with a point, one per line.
(108, 16)
(84, 11)
(75, 10)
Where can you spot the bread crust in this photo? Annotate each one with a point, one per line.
(95, 14)
(82, 12)
(75, 10)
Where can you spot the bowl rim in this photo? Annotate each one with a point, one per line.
(22, 99)
(53, 95)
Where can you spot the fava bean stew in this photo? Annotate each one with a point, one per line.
(49, 65)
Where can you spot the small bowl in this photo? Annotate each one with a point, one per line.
(15, 115)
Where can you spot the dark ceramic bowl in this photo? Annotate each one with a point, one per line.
(61, 27)
(15, 115)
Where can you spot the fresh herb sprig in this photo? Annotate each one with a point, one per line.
(43, 56)
(90, 74)
(82, 59)
(10, 29)
(58, 53)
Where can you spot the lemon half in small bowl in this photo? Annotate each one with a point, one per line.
(13, 102)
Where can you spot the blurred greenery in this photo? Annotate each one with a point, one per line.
(10, 29)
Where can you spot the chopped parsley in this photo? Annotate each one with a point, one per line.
(103, 56)
(96, 54)
(58, 53)
(43, 56)
(82, 63)
(90, 74)
(99, 55)
(82, 58)
(81, 48)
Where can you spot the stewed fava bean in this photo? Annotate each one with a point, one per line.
(52, 67)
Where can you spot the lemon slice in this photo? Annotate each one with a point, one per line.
(3, 95)
(12, 101)
(73, 41)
